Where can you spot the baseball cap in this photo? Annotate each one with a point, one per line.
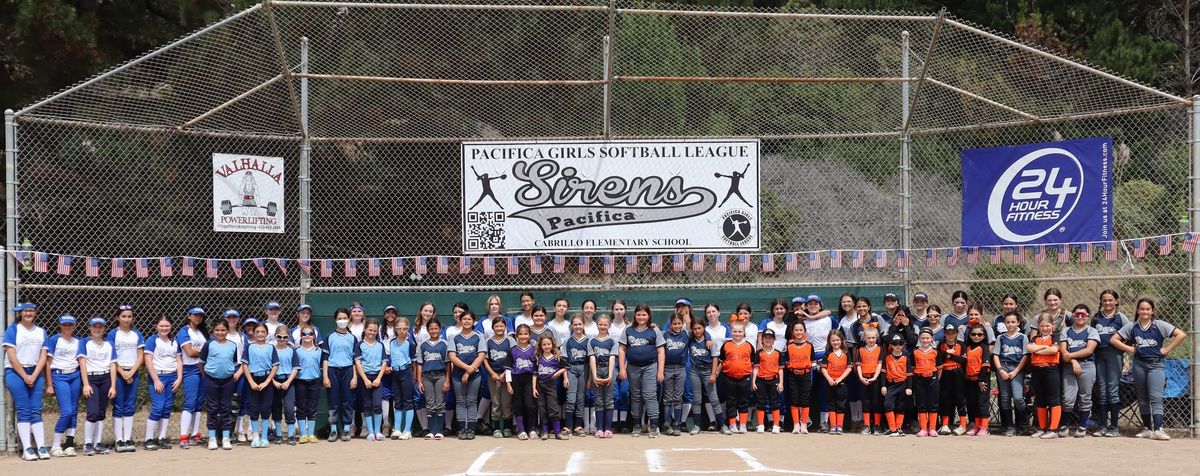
(272, 305)
(196, 310)
(951, 328)
(897, 339)
(813, 297)
(232, 313)
(891, 296)
(357, 307)
(768, 333)
(250, 321)
(683, 302)
(799, 300)
(97, 321)
(926, 330)
(304, 307)
(921, 296)
(23, 306)
(389, 308)
(66, 319)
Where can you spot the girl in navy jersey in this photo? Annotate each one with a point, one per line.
(642, 358)
(1009, 304)
(402, 355)
(97, 365)
(551, 367)
(1150, 339)
(1010, 359)
(128, 343)
(602, 357)
(702, 353)
(387, 332)
(958, 312)
(496, 364)
(341, 349)
(1109, 359)
(521, 359)
(311, 360)
(63, 374)
(191, 339)
(220, 370)
(575, 349)
(165, 368)
(616, 329)
(283, 407)
(467, 355)
(371, 364)
(259, 363)
(1078, 343)
(431, 377)
(675, 353)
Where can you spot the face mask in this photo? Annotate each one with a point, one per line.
(343, 323)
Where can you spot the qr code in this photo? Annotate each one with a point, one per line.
(485, 230)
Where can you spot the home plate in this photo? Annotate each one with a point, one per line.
(733, 461)
(494, 463)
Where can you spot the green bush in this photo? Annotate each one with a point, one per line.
(989, 292)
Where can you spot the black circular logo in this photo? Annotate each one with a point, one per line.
(736, 227)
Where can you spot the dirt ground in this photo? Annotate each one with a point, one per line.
(815, 454)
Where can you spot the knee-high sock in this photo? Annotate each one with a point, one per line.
(185, 422)
(408, 420)
(151, 425)
(1055, 416)
(423, 417)
(1042, 416)
(387, 412)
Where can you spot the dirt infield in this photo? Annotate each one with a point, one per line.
(704, 454)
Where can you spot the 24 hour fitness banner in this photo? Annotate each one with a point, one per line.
(594, 196)
(1056, 192)
(247, 193)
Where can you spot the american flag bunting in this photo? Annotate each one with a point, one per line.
(1111, 251)
(64, 264)
(1189, 242)
(1085, 253)
(656, 264)
(610, 265)
(677, 264)
(142, 268)
(1064, 253)
(211, 268)
(118, 268)
(535, 264)
(743, 263)
(584, 264)
(1139, 248)
(994, 255)
(261, 265)
(443, 265)
(165, 267)
(489, 266)
(631, 265)
(791, 262)
(902, 259)
(768, 263)
(326, 268)
(880, 259)
(835, 259)
(282, 265)
(373, 267)
(559, 264)
(814, 260)
(397, 266)
(189, 266)
(464, 265)
(1018, 254)
(973, 255)
(305, 266)
(421, 264)
(1039, 254)
(952, 257)
(930, 258)
(858, 259)
(697, 262)
(514, 265)
(91, 267)
(41, 262)
(236, 265)
(720, 264)
(1165, 245)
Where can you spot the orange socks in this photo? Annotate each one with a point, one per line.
(795, 415)
(899, 420)
(775, 417)
(1055, 417)
(1041, 417)
(760, 415)
(804, 415)
(962, 421)
(923, 418)
(742, 417)
(891, 418)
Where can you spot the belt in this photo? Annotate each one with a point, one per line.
(804, 371)
(165, 372)
(896, 381)
(1150, 360)
(98, 373)
(1046, 366)
(923, 375)
(126, 368)
(62, 372)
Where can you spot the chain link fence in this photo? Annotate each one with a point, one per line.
(119, 166)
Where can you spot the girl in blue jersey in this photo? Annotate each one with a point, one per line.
(521, 359)
(1010, 359)
(1150, 339)
(1109, 359)
(1078, 341)
(387, 332)
(431, 377)
(675, 353)
(602, 354)
(220, 370)
(575, 349)
(616, 329)
(311, 360)
(371, 363)
(260, 361)
(63, 374)
(402, 353)
(191, 339)
(97, 365)
(496, 363)
(467, 356)
(164, 365)
(551, 368)
(25, 358)
(642, 358)
(341, 349)
(283, 407)
(128, 343)
(304, 318)
(702, 353)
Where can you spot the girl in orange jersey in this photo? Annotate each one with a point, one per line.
(1044, 359)
(868, 358)
(952, 382)
(898, 371)
(768, 381)
(978, 379)
(737, 364)
(797, 377)
(927, 370)
(836, 369)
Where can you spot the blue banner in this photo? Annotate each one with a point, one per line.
(1055, 192)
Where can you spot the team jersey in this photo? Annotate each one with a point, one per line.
(1001, 329)
(1011, 349)
(288, 361)
(858, 328)
(467, 348)
(870, 360)
(128, 344)
(576, 350)
(800, 357)
(641, 346)
(521, 359)
(953, 352)
(836, 365)
(29, 343)
(401, 353)
(497, 353)
(518, 319)
(371, 356)
(818, 332)
(1107, 326)
(219, 359)
(939, 335)
(535, 335)
(701, 352)
(548, 365)
(604, 350)
(897, 368)
(718, 333)
(1147, 341)
(99, 356)
(64, 353)
(342, 349)
(1039, 360)
(959, 321)
(296, 336)
(769, 363)
(260, 358)
(484, 326)
(433, 356)
(979, 362)
(271, 326)
(163, 354)
(737, 359)
(190, 337)
(356, 329)
(675, 348)
(927, 362)
(562, 330)
(309, 361)
(1077, 340)
(240, 340)
(780, 329)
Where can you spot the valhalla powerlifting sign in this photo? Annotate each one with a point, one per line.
(609, 196)
(247, 193)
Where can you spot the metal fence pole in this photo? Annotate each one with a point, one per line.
(10, 276)
(905, 168)
(1194, 268)
(305, 155)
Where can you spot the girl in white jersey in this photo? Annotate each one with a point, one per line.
(128, 344)
(63, 374)
(191, 339)
(165, 368)
(97, 367)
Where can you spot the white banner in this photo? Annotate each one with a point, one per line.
(247, 193)
(608, 196)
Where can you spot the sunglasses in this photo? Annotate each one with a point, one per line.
(307, 334)
(125, 307)
(974, 334)
(281, 337)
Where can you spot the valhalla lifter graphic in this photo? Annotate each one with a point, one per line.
(593, 196)
(248, 193)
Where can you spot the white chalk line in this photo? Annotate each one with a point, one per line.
(574, 466)
(654, 463)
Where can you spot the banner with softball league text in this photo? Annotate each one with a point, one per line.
(1054, 192)
(609, 196)
(247, 193)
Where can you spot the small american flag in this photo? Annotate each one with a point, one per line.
(1189, 242)
(697, 262)
(211, 268)
(835, 259)
(656, 264)
(237, 267)
(1085, 253)
(1018, 254)
(91, 267)
(464, 265)
(902, 259)
(814, 260)
(743, 263)
(584, 264)
(282, 265)
(64, 265)
(1039, 254)
(514, 265)
(995, 255)
(326, 268)
(261, 265)
(880, 259)
(305, 266)
(930, 258)
(1064, 253)
(535, 264)
(858, 259)
(18, 256)
(791, 262)
(41, 262)
(1139, 248)
(721, 266)
(610, 265)
(142, 268)
(559, 265)
(677, 264)
(1111, 251)
(373, 267)
(952, 257)
(189, 266)
(165, 267)
(768, 263)
(973, 255)
(631, 265)
(1165, 245)
(118, 268)
(397, 266)
(489, 266)
(443, 265)
(421, 263)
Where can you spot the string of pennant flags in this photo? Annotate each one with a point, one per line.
(169, 266)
